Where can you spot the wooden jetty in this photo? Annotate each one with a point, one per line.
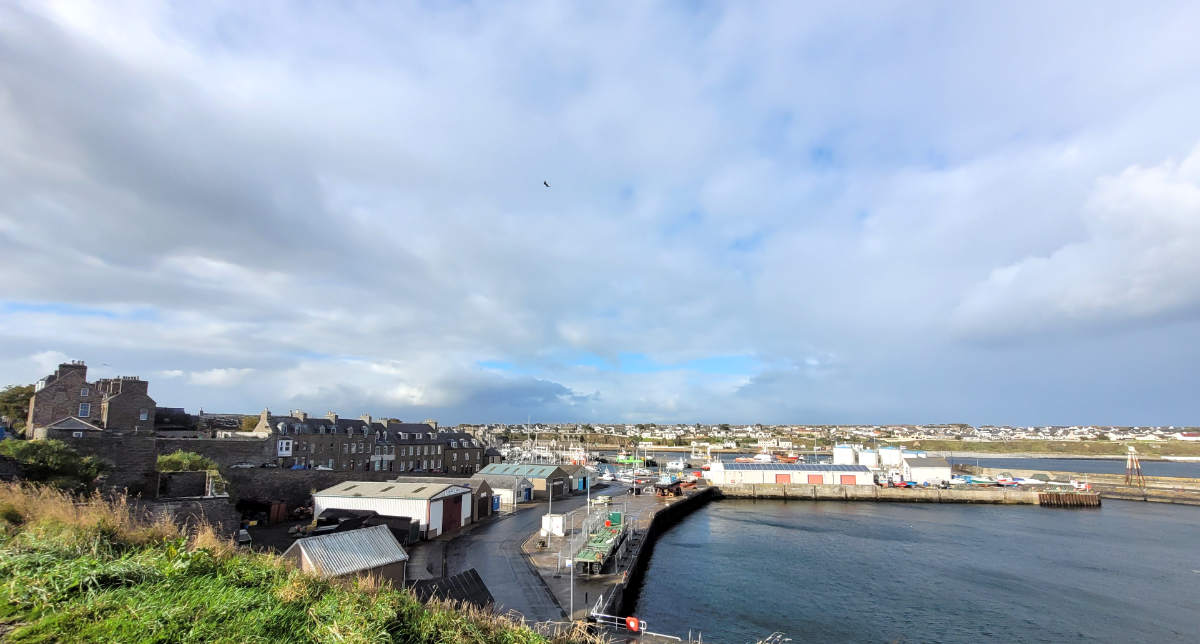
(1069, 499)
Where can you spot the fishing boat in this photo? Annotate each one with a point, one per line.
(765, 456)
(678, 465)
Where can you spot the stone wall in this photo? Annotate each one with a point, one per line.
(176, 484)
(223, 452)
(132, 460)
(219, 512)
(623, 596)
(294, 487)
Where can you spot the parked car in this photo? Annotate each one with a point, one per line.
(269, 465)
(241, 466)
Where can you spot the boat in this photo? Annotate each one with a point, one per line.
(764, 456)
(678, 466)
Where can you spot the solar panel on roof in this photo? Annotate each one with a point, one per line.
(795, 467)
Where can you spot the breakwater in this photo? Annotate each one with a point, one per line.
(1158, 489)
(805, 492)
(623, 595)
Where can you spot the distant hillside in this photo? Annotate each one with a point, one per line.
(1075, 448)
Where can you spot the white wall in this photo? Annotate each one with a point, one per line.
(929, 475)
(414, 508)
(435, 519)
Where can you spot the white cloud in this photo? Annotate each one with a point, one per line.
(1139, 260)
(219, 377)
(355, 217)
(47, 361)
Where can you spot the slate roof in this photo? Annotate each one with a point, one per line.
(521, 469)
(501, 481)
(927, 462)
(73, 423)
(342, 553)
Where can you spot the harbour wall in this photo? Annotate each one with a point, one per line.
(1159, 489)
(624, 595)
(874, 493)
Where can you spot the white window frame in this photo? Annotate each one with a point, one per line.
(82, 413)
(143, 414)
(83, 392)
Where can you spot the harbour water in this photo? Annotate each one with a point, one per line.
(883, 572)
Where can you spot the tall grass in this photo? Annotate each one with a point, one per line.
(93, 570)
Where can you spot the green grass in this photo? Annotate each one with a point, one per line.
(91, 572)
(1098, 448)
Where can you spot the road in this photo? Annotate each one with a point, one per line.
(494, 551)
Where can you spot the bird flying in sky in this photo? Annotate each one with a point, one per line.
(546, 183)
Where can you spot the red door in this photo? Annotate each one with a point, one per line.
(816, 479)
(783, 479)
(848, 479)
(451, 513)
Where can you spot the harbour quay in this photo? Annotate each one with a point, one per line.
(876, 493)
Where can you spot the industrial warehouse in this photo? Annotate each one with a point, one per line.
(788, 473)
(438, 508)
(852, 465)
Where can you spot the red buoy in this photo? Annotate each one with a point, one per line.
(633, 624)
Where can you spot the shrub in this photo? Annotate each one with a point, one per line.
(53, 462)
(181, 461)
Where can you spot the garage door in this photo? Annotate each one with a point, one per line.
(816, 479)
(451, 513)
(783, 479)
(848, 479)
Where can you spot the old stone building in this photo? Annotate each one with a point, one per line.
(121, 403)
(365, 444)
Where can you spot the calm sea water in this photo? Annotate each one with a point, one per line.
(1187, 469)
(880, 572)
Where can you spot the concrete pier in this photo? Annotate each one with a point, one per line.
(613, 593)
(1159, 489)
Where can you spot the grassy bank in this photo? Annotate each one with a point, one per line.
(1066, 448)
(91, 571)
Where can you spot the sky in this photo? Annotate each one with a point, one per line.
(776, 212)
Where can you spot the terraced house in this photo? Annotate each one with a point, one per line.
(65, 404)
(366, 444)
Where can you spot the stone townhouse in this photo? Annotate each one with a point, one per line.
(365, 444)
(121, 403)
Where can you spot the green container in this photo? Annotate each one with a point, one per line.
(615, 518)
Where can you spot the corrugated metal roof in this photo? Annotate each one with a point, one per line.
(520, 469)
(392, 490)
(505, 481)
(796, 467)
(342, 553)
(927, 462)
